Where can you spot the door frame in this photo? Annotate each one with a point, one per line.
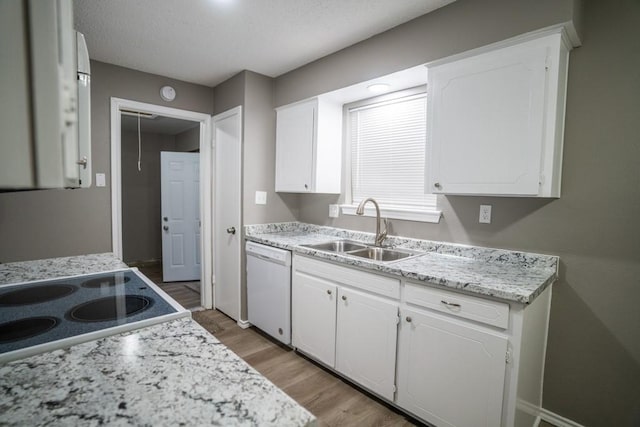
(206, 180)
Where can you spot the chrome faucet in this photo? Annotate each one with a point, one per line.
(380, 236)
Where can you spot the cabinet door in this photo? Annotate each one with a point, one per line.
(313, 323)
(486, 122)
(450, 373)
(295, 138)
(366, 340)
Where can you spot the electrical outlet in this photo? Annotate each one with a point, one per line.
(334, 211)
(485, 214)
(261, 197)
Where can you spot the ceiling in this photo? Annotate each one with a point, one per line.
(208, 41)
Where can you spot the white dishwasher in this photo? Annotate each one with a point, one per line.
(269, 290)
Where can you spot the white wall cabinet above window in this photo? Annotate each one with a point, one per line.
(309, 147)
(496, 119)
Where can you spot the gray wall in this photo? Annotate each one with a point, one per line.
(141, 234)
(457, 27)
(593, 359)
(52, 223)
(188, 140)
(259, 155)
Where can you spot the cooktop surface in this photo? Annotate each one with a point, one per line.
(76, 309)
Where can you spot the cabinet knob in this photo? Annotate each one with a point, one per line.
(165, 228)
(437, 185)
(344, 297)
(306, 187)
(408, 319)
(165, 219)
(328, 292)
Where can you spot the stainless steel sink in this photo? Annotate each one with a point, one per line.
(362, 250)
(337, 246)
(381, 254)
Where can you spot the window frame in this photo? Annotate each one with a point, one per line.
(429, 213)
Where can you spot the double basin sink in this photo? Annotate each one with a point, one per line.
(358, 249)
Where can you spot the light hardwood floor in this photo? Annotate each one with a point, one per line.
(333, 400)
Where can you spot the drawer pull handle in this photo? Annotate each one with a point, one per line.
(450, 304)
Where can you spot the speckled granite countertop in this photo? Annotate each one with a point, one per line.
(43, 269)
(174, 373)
(507, 275)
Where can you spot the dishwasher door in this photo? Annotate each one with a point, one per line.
(269, 290)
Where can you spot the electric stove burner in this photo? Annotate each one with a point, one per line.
(36, 294)
(26, 328)
(109, 308)
(110, 280)
(78, 309)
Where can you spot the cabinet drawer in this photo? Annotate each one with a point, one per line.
(481, 310)
(371, 282)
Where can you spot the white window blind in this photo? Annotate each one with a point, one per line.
(388, 141)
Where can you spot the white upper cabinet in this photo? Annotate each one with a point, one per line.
(495, 120)
(309, 147)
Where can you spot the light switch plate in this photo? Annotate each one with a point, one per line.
(485, 214)
(334, 211)
(261, 197)
(101, 180)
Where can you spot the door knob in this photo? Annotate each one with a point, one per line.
(231, 230)
(165, 228)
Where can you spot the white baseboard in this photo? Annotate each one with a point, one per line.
(557, 420)
(545, 415)
(244, 324)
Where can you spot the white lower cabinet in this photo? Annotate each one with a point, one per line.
(461, 361)
(357, 336)
(450, 372)
(313, 317)
(366, 337)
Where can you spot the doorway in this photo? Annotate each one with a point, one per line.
(139, 132)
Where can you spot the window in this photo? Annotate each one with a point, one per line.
(387, 148)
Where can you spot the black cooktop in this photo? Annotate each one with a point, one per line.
(41, 312)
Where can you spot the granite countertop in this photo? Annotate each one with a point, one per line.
(174, 373)
(503, 274)
(52, 268)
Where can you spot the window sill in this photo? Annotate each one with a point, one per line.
(420, 215)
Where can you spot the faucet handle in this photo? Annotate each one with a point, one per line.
(383, 233)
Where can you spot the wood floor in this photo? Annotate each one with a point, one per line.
(334, 401)
(187, 294)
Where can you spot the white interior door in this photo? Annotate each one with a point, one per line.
(180, 194)
(227, 134)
